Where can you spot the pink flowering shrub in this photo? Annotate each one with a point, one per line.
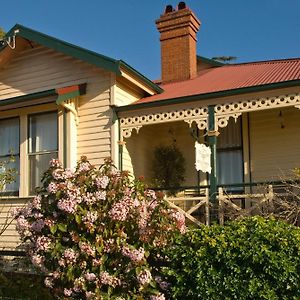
(96, 234)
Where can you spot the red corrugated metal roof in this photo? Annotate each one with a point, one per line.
(230, 77)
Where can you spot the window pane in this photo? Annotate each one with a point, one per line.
(9, 136)
(43, 132)
(14, 186)
(231, 135)
(230, 167)
(38, 164)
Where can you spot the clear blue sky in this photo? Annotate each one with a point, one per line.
(125, 29)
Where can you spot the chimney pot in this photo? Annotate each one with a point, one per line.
(169, 9)
(181, 5)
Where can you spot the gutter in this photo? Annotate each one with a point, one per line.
(207, 96)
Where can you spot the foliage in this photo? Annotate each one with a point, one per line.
(96, 233)
(7, 174)
(2, 33)
(282, 204)
(254, 258)
(168, 166)
(23, 286)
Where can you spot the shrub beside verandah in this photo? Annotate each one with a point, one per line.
(253, 258)
(96, 234)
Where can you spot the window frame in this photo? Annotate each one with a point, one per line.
(22, 114)
(17, 154)
(228, 149)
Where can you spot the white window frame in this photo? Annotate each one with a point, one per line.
(23, 115)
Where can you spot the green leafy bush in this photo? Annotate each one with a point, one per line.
(254, 258)
(95, 234)
(168, 166)
(23, 286)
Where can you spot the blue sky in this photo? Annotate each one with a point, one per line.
(125, 29)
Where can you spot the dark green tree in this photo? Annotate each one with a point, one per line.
(2, 33)
(168, 166)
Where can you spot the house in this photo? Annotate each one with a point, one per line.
(59, 100)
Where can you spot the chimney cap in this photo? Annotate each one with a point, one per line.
(169, 9)
(181, 5)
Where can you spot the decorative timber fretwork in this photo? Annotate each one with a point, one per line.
(189, 115)
(235, 109)
(199, 115)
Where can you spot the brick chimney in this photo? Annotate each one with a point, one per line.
(178, 41)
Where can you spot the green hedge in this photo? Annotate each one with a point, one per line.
(254, 258)
(23, 286)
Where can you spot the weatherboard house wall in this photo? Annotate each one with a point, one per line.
(40, 75)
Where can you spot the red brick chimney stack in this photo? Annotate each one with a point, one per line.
(178, 41)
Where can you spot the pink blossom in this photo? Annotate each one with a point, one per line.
(49, 282)
(70, 256)
(90, 295)
(151, 194)
(78, 284)
(90, 276)
(97, 262)
(67, 292)
(90, 218)
(100, 195)
(58, 174)
(37, 260)
(179, 219)
(38, 225)
(43, 243)
(144, 277)
(52, 188)
(102, 182)
(23, 226)
(54, 163)
(89, 198)
(107, 279)
(84, 167)
(87, 248)
(36, 202)
(48, 222)
(67, 205)
(120, 210)
(68, 173)
(134, 254)
(108, 245)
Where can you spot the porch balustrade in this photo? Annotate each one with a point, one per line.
(234, 200)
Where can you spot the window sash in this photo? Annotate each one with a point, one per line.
(230, 165)
(10, 146)
(43, 145)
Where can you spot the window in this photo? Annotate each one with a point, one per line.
(230, 155)
(43, 145)
(9, 145)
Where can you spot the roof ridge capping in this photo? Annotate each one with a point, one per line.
(271, 61)
(92, 57)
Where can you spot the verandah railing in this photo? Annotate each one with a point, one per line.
(239, 199)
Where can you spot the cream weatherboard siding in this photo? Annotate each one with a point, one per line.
(39, 69)
(274, 151)
(9, 239)
(125, 95)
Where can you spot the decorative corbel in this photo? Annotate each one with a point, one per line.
(67, 95)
